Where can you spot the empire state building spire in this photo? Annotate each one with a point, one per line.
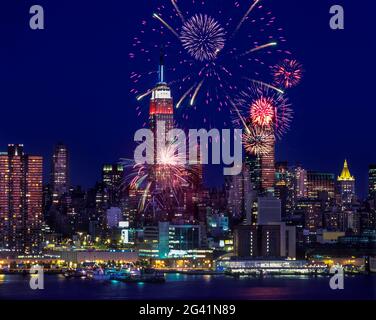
(161, 67)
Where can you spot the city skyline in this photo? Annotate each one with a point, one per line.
(213, 149)
(97, 136)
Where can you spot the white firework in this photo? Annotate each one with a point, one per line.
(203, 37)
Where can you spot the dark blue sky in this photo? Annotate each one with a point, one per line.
(70, 82)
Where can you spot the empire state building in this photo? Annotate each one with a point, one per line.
(161, 103)
(161, 112)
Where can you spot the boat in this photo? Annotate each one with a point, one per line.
(130, 275)
(100, 275)
(75, 273)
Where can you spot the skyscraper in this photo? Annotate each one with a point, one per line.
(268, 170)
(301, 181)
(21, 199)
(346, 184)
(240, 195)
(112, 178)
(372, 181)
(60, 172)
(161, 112)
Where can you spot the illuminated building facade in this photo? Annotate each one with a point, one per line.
(268, 171)
(261, 241)
(112, 178)
(254, 164)
(346, 184)
(313, 213)
(60, 172)
(175, 240)
(161, 112)
(320, 184)
(372, 181)
(284, 187)
(301, 181)
(239, 194)
(21, 200)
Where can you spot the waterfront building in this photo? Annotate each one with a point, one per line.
(270, 237)
(273, 240)
(21, 200)
(177, 240)
(269, 266)
(97, 256)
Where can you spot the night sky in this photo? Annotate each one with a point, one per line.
(70, 83)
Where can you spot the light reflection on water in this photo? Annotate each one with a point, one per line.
(181, 286)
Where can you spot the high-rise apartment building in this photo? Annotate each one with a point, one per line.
(239, 194)
(268, 171)
(59, 172)
(372, 181)
(112, 179)
(21, 200)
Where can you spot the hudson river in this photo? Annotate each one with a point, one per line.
(185, 287)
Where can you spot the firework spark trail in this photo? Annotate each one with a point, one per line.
(156, 16)
(241, 117)
(264, 46)
(196, 92)
(245, 17)
(267, 85)
(178, 10)
(144, 197)
(184, 96)
(141, 96)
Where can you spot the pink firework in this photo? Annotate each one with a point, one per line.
(288, 74)
(261, 106)
(262, 112)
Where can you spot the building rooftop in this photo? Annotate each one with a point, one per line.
(346, 175)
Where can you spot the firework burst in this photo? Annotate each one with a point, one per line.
(287, 74)
(160, 183)
(262, 112)
(203, 37)
(210, 48)
(261, 106)
(258, 141)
